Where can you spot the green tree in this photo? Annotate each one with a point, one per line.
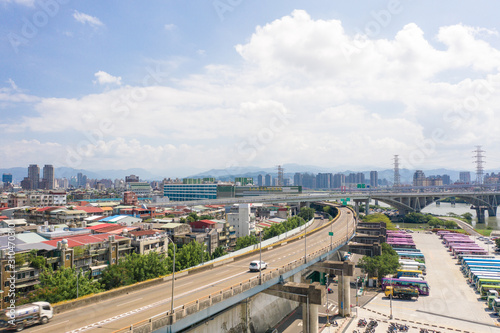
(497, 242)
(382, 265)
(467, 216)
(219, 252)
(245, 241)
(306, 213)
(61, 285)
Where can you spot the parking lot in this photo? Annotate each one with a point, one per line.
(452, 306)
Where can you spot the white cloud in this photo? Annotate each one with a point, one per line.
(307, 92)
(87, 19)
(170, 27)
(27, 3)
(105, 78)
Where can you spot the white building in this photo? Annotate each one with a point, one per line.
(243, 220)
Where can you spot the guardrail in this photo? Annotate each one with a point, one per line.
(169, 318)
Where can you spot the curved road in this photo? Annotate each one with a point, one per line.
(125, 310)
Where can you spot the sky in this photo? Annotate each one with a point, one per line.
(178, 87)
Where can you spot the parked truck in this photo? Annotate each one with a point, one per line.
(26, 315)
(401, 292)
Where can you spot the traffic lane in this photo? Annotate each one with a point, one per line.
(105, 310)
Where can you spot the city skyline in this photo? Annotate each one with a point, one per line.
(184, 88)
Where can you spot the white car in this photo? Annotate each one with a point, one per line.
(257, 265)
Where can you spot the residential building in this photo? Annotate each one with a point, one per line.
(324, 180)
(130, 198)
(260, 180)
(148, 240)
(7, 178)
(268, 180)
(242, 220)
(373, 179)
(47, 182)
(419, 178)
(338, 180)
(132, 179)
(243, 181)
(464, 177)
(142, 189)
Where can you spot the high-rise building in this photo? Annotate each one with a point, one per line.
(33, 176)
(464, 177)
(338, 180)
(48, 177)
(360, 178)
(7, 178)
(309, 180)
(260, 180)
(373, 179)
(324, 180)
(132, 179)
(419, 178)
(298, 179)
(268, 180)
(446, 179)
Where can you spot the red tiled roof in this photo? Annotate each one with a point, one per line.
(144, 232)
(81, 240)
(50, 208)
(90, 209)
(3, 217)
(110, 228)
(98, 226)
(208, 221)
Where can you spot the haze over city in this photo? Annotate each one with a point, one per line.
(182, 87)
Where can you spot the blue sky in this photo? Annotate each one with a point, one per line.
(184, 86)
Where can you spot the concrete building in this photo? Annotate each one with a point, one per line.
(242, 220)
(260, 180)
(47, 182)
(464, 177)
(324, 180)
(268, 180)
(7, 178)
(149, 240)
(338, 180)
(419, 178)
(142, 189)
(373, 179)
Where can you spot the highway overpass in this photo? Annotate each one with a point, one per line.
(223, 286)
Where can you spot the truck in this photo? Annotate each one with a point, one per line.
(19, 317)
(491, 296)
(401, 292)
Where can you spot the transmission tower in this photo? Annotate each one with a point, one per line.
(280, 175)
(479, 164)
(397, 178)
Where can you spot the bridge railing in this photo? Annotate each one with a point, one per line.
(168, 318)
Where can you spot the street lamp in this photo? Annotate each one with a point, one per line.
(305, 243)
(392, 292)
(173, 277)
(260, 257)
(327, 306)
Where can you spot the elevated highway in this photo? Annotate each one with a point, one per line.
(405, 201)
(220, 286)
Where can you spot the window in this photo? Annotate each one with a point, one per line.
(114, 261)
(68, 256)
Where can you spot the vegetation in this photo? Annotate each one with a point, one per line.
(497, 242)
(382, 265)
(485, 232)
(36, 261)
(61, 285)
(219, 252)
(306, 213)
(280, 228)
(192, 217)
(431, 220)
(379, 217)
(245, 241)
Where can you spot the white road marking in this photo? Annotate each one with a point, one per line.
(146, 307)
(128, 302)
(44, 327)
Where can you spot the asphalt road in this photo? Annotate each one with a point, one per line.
(125, 310)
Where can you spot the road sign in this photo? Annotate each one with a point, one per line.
(330, 233)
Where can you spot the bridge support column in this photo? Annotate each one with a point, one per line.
(480, 214)
(376, 202)
(492, 211)
(356, 207)
(310, 318)
(344, 292)
(367, 207)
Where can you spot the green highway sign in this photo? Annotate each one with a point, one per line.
(330, 233)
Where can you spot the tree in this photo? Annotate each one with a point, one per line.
(306, 213)
(382, 265)
(467, 216)
(497, 242)
(245, 241)
(61, 285)
(219, 252)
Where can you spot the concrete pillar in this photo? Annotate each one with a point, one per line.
(376, 202)
(344, 292)
(297, 277)
(367, 207)
(310, 320)
(308, 204)
(356, 207)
